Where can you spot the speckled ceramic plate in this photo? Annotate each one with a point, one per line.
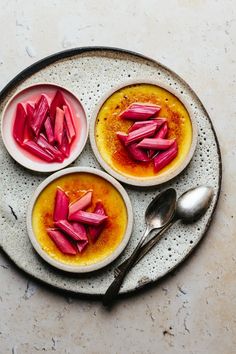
(89, 73)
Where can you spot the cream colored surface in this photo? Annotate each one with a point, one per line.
(194, 309)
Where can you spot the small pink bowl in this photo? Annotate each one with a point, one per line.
(32, 93)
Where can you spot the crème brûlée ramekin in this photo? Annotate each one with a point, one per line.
(106, 122)
(75, 182)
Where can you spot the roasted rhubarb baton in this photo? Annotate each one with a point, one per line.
(80, 229)
(165, 157)
(49, 130)
(70, 128)
(156, 143)
(81, 204)
(138, 111)
(137, 125)
(30, 111)
(61, 205)
(135, 152)
(19, 124)
(141, 133)
(83, 242)
(81, 245)
(59, 125)
(40, 115)
(58, 101)
(88, 218)
(95, 231)
(61, 241)
(31, 146)
(68, 228)
(161, 133)
(44, 144)
(65, 146)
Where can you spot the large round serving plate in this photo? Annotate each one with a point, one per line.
(89, 73)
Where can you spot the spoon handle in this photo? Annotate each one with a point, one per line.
(146, 247)
(114, 288)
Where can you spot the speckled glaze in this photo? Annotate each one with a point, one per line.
(90, 73)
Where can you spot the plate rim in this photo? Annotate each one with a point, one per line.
(42, 63)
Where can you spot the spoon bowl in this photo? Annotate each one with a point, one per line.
(192, 204)
(160, 211)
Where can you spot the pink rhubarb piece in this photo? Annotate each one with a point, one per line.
(81, 203)
(141, 133)
(141, 124)
(44, 144)
(28, 133)
(61, 205)
(165, 157)
(70, 128)
(81, 230)
(161, 133)
(137, 111)
(81, 244)
(35, 149)
(19, 124)
(135, 152)
(58, 101)
(49, 130)
(62, 243)
(95, 231)
(156, 144)
(40, 115)
(30, 111)
(88, 218)
(68, 228)
(65, 146)
(59, 125)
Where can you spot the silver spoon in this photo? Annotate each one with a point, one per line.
(190, 206)
(158, 214)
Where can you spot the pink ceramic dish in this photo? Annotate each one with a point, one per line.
(31, 94)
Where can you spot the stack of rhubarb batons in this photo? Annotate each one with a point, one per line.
(46, 130)
(73, 224)
(146, 139)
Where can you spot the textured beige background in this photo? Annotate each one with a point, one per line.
(192, 311)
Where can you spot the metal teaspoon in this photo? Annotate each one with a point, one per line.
(158, 214)
(190, 206)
